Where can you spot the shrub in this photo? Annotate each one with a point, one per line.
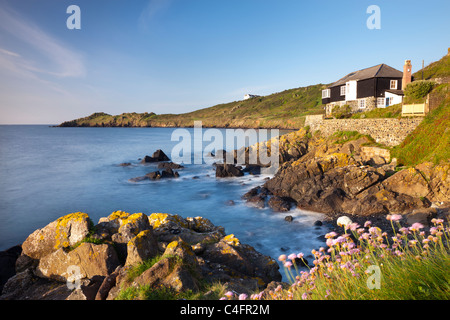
(342, 112)
(418, 89)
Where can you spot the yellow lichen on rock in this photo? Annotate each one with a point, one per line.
(159, 220)
(232, 240)
(62, 228)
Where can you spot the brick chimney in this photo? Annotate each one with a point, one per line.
(407, 72)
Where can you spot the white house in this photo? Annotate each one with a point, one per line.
(249, 96)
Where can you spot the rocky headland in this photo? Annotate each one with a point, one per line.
(349, 174)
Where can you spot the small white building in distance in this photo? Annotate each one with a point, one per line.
(249, 96)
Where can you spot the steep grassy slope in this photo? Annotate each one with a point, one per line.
(285, 109)
(437, 69)
(431, 139)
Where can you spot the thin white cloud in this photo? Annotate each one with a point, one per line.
(9, 53)
(62, 62)
(151, 10)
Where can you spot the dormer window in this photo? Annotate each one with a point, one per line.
(326, 93)
(343, 90)
(394, 84)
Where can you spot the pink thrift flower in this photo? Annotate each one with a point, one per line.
(367, 224)
(243, 296)
(305, 296)
(300, 255)
(394, 217)
(282, 257)
(292, 256)
(416, 226)
(288, 264)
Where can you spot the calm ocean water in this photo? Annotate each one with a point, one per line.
(48, 172)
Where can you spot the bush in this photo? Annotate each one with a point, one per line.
(342, 112)
(418, 89)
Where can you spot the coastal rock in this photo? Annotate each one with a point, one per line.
(170, 228)
(228, 170)
(329, 179)
(88, 259)
(242, 259)
(169, 165)
(64, 232)
(142, 247)
(279, 204)
(8, 260)
(156, 175)
(157, 156)
(191, 250)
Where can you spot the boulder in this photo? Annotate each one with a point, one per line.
(422, 216)
(8, 260)
(279, 204)
(64, 232)
(157, 156)
(242, 259)
(26, 286)
(228, 170)
(169, 165)
(142, 247)
(88, 260)
(170, 228)
(156, 175)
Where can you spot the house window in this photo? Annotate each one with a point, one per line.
(343, 90)
(381, 102)
(394, 84)
(326, 93)
(388, 101)
(362, 103)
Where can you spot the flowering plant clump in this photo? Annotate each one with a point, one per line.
(366, 263)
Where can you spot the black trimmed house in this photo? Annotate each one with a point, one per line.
(376, 87)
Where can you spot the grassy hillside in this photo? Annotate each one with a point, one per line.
(437, 69)
(285, 109)
(431, 139)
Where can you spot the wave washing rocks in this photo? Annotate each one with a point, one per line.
(73, 259)
(162, 159)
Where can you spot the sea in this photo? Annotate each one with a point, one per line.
(47, 172)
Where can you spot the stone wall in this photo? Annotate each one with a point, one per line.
(390, 132)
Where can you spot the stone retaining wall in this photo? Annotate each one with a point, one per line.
(390, 132)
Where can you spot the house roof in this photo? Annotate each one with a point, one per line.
(378, 71)
(397, 92)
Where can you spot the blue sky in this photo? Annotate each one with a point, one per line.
(175, 56)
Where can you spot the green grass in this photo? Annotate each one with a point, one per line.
(430, 141)
(437, 69)
(394, 111)
(146, 292)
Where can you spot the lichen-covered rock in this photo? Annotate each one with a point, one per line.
(64, 232)
(88, 259)
(241, 260)
(142, 247)
(169, 228)
(133, 225)
(112, 223)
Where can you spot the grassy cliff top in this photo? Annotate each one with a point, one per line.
(285, 109)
